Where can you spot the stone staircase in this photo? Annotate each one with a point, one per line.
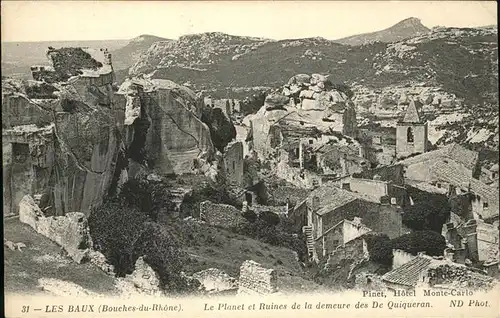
(307, 230)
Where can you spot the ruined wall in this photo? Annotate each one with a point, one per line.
(71, 231)
(256, 279)
(355, 250)
(222, 215)
(18, 110)
(260, 133)
(302, 179)
(233, 162)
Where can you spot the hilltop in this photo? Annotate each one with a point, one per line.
(402, 30)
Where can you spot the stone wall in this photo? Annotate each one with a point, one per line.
(71, 231)
(355, 250)
(222, 215)
(255, 279)
(374, 188)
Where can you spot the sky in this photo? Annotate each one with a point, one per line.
(104, 20)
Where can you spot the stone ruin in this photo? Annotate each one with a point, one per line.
(256, 279)
(216, 281)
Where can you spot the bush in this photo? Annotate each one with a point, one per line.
(161, 251)
(380, 248)
(429, 212)
(114, 228)
(430, 242)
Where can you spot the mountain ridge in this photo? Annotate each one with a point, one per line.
(404, 29)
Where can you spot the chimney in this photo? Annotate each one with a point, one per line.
(377, 177)
(343, 164)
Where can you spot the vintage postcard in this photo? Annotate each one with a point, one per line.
(240, 158)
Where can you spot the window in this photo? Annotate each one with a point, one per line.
(310, 141)
(409, 135)
(439, 185)
(485, 205)
(335, 242)
(234, 166)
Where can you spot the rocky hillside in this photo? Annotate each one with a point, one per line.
(402, 30)
(461, 61)
(129, 54)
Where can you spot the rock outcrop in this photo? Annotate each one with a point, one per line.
(216, 281)
(163, 126)
(71, 231)
(61, 140)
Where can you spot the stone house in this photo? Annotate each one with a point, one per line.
(476, 240)
(328, 205)
(339, 234)
(456, 169)
(424, 271)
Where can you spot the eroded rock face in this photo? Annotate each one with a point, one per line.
(63, 145)
(166, 127)
(71, 231)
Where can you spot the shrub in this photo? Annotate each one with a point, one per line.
(114, 227)
(429, 211)
(380, 248)
(430, 242)
(161, 251)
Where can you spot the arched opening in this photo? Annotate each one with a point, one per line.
(409, 135)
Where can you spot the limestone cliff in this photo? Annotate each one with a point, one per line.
(60, 140)
(163, 127)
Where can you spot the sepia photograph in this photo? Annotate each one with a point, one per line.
(254, 158)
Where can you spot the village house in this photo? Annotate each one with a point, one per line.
(425, 272)
(329, 205)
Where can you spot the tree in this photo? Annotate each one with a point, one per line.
(379, 247)
(430, 242)
(429, 211)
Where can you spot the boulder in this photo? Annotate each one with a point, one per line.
(70, 231)
(276, 101)
(145, 279)
(317, 78)
(299, 79)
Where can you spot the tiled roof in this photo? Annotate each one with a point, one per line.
(412, 114)
(449, 172)
(455, 152)
(331, 197)
(408, 273)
